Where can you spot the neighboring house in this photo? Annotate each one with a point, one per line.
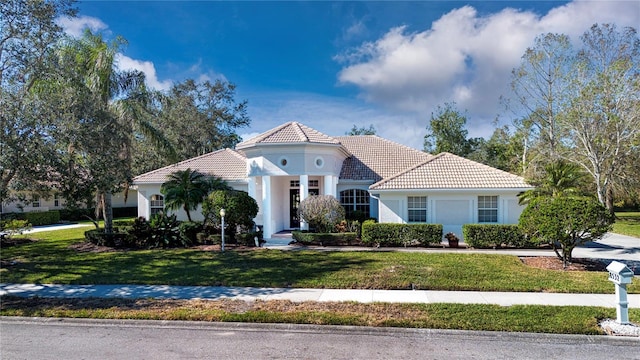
(33, 202)
(385, 180)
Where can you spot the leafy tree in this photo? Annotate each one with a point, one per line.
(583, 105)
(28, 33)
(604, 118)
(503, 150)
(361, 130)
(240, 209)
(565, 222)
(184, 189)
(196, 118)
(561, 178)
(321, 212)
(541, 87)
(446, 132)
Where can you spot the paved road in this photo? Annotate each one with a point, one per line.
(82, 339)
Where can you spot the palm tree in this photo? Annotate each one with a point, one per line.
(185, 189)
(560, 178)
(118, 103)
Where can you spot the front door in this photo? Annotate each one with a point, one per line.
(294, 203)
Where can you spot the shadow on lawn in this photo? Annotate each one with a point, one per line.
(262, 268)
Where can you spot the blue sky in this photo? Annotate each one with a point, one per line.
(331, 65)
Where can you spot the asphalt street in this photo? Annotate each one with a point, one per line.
(24, 338)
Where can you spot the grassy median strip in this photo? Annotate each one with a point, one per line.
(51, 259)
(520, 318)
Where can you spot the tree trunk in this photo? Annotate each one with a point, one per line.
(186, 209)
(108, 213)
(609, 200)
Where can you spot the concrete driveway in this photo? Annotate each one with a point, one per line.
(618, 247)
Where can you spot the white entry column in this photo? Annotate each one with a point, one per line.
(267, 221)
(331, 185)
(304, 193)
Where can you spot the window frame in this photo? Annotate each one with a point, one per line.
(359, 200)
(156, 205)
(420, 208)
(488, 209)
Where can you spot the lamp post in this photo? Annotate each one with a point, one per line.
(222, 213)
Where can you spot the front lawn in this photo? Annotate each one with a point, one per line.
(51, 260)
(627, 223)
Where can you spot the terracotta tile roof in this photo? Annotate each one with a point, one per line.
(448, 171)
(291, 132)
(227, 164)
(375, 158)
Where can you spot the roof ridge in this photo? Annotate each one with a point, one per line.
(483, 165)
(385, 140)
(237, 154)
(407, 170)
(298, 129)
(186, 161)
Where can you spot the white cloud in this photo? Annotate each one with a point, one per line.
(76, 26)
(465, 57)
(126, 63)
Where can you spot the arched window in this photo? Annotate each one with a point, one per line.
(157, 204)
(355, 200)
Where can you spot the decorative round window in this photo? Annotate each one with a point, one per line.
(319, 162)
(283, 162)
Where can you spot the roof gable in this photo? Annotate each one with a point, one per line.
(449, 171)
(227, 164)
(289, 133)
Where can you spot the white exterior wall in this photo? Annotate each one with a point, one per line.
(452, 209)
(146, 191)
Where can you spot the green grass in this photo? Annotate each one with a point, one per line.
(50, 260)
(627, 223)
(519, 318)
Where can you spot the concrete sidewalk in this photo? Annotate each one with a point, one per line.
(322, 295)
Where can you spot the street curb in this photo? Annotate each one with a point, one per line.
(541, 338)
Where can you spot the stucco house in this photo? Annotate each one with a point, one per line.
(385, 180)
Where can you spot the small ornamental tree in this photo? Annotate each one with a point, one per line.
(321, 212)
(240, 210)
(565, 222)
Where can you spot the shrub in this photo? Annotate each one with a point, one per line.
(565, 222)
(42, 218)
(165, 232)
(248, 239)
(98, 237)
(486, 236)
(385, 234)
(321, 212)
(140, 231)
(240, 210)
(189, 231)
(324, 239)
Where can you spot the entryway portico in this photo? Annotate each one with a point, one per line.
(287, 165)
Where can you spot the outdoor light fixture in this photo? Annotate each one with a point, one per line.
(222, 213)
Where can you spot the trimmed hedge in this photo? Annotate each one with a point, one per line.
(384, 234)
(488, 236)
(324, 239)
(42, 218)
